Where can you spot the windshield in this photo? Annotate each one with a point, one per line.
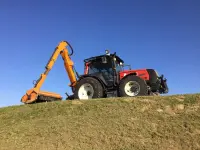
(98, 66)
(95, 67)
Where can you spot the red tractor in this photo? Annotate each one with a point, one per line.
(105, 76)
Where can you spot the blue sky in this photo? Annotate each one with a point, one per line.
(163, 35)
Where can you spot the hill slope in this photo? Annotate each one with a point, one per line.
(171, 122)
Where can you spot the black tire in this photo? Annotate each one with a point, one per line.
(141, 83)
(96, 85)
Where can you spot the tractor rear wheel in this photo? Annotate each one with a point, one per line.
(132, 86)
(88, 88)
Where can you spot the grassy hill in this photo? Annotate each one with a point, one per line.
(167, 123)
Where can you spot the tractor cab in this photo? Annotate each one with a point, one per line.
(106, 67)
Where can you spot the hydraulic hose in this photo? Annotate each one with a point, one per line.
(72, 51)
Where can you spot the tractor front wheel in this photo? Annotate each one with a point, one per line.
(132, 86)
(88, 88)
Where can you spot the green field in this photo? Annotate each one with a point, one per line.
(152, 123)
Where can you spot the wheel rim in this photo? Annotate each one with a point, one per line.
(86, 91)
(132, 88)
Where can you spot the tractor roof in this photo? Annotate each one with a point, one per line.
(100, 56)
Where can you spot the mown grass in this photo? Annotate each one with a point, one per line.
(167, 123)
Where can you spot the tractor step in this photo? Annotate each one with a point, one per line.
(112, 94)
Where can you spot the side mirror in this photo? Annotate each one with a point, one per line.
(121, 64)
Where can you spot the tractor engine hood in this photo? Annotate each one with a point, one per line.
(157, 82)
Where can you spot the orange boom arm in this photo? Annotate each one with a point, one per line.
(35, 94)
